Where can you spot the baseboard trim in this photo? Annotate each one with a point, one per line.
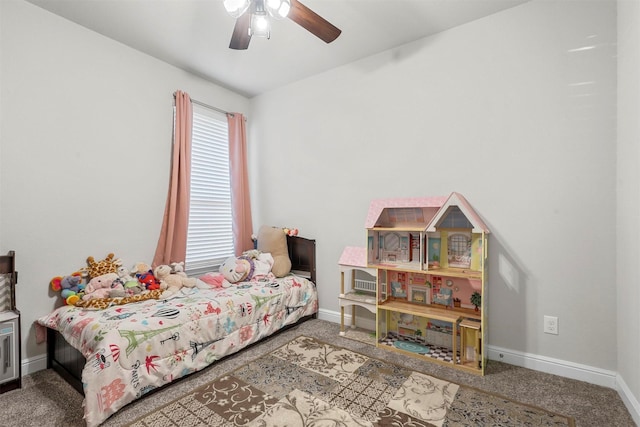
(34, 364)
(553, 366)
(632, 404)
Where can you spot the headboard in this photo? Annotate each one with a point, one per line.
(302, 253)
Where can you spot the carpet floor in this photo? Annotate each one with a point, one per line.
(46, 400)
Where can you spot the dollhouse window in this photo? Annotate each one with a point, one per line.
(459, 250)
(454, 218)
(459, 244)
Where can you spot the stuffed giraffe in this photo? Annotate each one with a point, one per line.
(107, 265)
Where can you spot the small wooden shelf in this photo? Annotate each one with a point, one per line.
(455, 272)
(428, 311)
(363, 299)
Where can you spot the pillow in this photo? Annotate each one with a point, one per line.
(274, 241)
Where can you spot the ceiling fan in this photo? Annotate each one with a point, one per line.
(252, 19)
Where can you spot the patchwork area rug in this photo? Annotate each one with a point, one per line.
(311, 383)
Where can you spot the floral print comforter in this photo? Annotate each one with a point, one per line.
(134, 348)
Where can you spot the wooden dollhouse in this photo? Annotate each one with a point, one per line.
(429, 258)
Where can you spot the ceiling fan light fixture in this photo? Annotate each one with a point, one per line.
(279, 9)
(260, 25)
(236, 8)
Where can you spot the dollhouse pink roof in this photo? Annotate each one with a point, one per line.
(354, 255)
(457, 199)
(429, 206)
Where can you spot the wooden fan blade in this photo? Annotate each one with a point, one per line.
(240, 38)
(312, 22)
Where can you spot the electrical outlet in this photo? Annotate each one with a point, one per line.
(551, 325)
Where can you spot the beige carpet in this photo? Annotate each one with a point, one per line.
(362, 335)
(307, 382)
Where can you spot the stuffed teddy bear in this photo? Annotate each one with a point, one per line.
(172, 283)
(252, 264)
(101, 287)
(274, 241)
(140, 268)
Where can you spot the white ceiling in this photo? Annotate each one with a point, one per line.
(194, 34)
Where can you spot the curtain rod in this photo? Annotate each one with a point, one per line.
(202, 104)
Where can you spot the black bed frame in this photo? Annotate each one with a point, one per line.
(69, 362)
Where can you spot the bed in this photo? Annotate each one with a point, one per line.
(117, 355)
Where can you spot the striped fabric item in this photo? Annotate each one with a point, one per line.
(5, 292)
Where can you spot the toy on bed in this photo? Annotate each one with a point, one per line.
(274, 241)
(98, 268)
(70, 287)
(178, 268)
(149, 281)
(170, 282)
(139, 268)
(129, 283)
(103, 287)
(252, 265)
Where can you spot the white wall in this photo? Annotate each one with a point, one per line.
(628, 202)
(85, 149)
(517, 112)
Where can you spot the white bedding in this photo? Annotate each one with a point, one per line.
(134, 348)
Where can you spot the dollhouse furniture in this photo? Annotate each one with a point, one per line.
(362, 291)
(469, 342)
(431, 255)
(10, 353)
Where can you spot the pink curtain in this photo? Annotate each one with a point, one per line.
(172, 244)
(241, 204)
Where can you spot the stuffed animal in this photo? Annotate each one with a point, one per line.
(100, 287)
(140, 268)
(70, 287)
(124, 274)
(172, 283)
(98, 268)
(178, 268)
(251, 265)
(274, 241)
(290, 231)
(148, 280)
(130, 285)
(215, 280)
(133, 287)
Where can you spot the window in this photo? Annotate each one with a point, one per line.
(210, 234)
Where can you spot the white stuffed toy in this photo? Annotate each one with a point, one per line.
(172, 283)
(252, 265)
(178, 268)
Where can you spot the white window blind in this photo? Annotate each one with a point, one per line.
(210, 234)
